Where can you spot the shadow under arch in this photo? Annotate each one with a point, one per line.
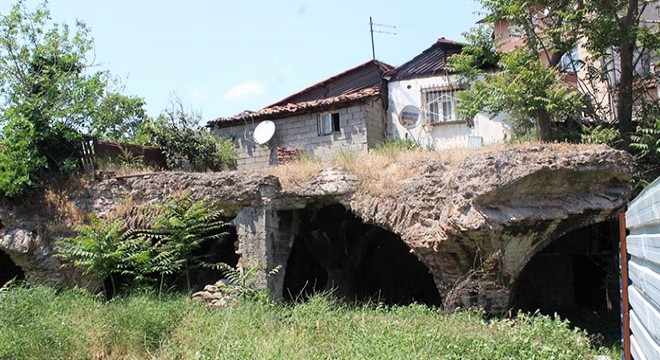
(335, 250)
(9, 270)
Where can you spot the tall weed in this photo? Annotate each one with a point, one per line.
(40, 323)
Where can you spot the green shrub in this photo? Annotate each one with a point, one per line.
(179, 227)
(245, 282)
(186, 145)
(98, 249)
(394, 147)
(600, 135)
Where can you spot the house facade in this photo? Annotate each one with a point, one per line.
(343, 113)
(422, 104)
(574, 66)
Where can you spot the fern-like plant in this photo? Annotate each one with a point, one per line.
(645, 146)
(243, 282)
(106, 249)
(180, 227)
(97, 249)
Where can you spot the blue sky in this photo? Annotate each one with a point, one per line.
(223, 57)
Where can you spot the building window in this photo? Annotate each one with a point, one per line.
(440, 105)
(570, 62)
(328, 123)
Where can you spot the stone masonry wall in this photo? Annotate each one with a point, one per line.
(501, 207)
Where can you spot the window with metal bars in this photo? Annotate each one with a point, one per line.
(440, 105)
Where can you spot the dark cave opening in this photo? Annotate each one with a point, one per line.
(213, 251)
(335, 250)
(9, 270)
(576, 277)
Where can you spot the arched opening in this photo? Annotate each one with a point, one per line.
(9, 270)
(213, 251)
(576, 277)
(335, 250)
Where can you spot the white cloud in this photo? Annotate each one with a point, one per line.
(244, 91)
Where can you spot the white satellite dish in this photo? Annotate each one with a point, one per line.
(409, 117)
(264, 132)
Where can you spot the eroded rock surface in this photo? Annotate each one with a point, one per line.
(474, 225)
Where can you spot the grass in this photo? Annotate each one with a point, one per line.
(383, 169)
(41, 323)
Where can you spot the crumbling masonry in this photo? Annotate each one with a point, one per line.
(470, 228)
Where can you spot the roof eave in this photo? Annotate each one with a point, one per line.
(222, 123)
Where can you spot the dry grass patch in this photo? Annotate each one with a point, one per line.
(382, 170)
(296, 172)
(61, 211)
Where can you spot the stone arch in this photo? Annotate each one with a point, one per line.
(334, 249)
(575, 273)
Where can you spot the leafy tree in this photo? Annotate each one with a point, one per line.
(118, 117)
(613, 29)
(44, 95)
(529, 92)
(50, 96)
(186, 144)
(645, 143)
(609, 29)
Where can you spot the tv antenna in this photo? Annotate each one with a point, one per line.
(372, 31)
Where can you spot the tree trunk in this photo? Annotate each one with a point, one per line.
(543, 127)
(114, 286)
(625, 95)
(626, 52)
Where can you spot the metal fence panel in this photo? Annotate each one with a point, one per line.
(643, 273)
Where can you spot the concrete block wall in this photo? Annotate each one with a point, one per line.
(265, 240)
(249, 155)
(301, 132)
(376, 123)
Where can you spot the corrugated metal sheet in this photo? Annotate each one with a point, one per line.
(643, 245)
(431, 61)
(367, 75)
(352, 85)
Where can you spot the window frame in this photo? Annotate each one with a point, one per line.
(328, 123)
(570, 62)
(432, 106)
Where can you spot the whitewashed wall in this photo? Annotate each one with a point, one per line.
(360, 126)
(643, 222)
(442, 136)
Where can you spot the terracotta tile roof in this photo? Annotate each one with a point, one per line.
(292, 109)
(353, 85)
